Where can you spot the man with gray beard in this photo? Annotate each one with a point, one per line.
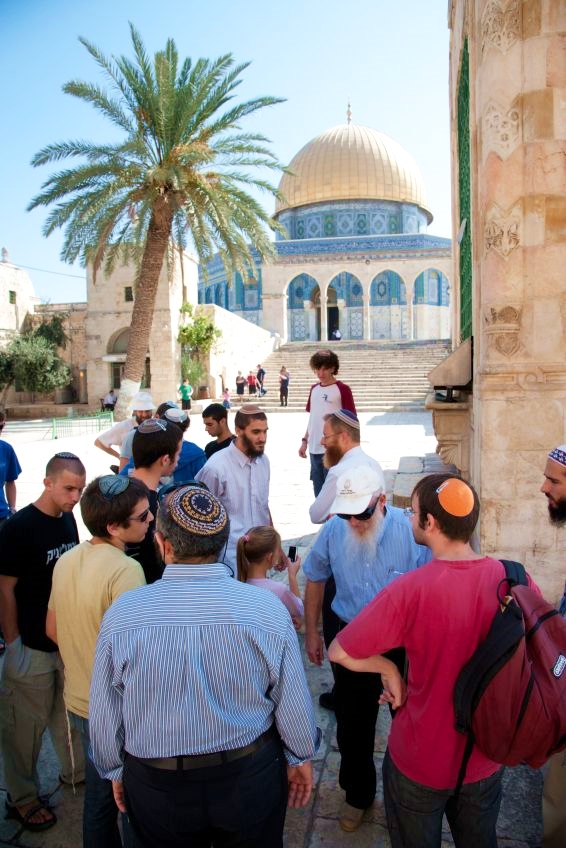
(364, 546)
(554, 792)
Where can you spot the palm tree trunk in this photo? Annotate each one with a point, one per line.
(155, 251)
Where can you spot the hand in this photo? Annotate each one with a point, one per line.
(303, 450)
(314, 647)
(281, 561)
(300, 779)
(294, 567)
(119, 797)
(394, 690)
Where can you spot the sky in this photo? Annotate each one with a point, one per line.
(390, 60)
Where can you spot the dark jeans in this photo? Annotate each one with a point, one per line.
(318, 472)
(100, 813)
(414, 812)
(240, 804)
(186, 404)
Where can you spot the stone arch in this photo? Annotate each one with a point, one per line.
(116, 350)
(389, 311)
(302, 323)
(345, 306)
(431, 305)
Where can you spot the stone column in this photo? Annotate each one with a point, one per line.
(367, 325)
(323, 318)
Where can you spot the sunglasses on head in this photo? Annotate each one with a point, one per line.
(112, 485)
(361, 516)
(172, 487)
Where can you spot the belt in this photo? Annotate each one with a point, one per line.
(196, 761)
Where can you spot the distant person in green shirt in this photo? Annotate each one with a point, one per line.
(186, 392)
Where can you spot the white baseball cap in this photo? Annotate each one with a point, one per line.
(355, 488)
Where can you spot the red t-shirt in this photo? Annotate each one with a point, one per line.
(439, 614)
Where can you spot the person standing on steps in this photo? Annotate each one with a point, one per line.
(327, 395)
(284, 378)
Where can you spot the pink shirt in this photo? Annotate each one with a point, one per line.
(293, 604)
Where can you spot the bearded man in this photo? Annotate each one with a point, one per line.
(239, 477)
(554, 792)
(364, 546)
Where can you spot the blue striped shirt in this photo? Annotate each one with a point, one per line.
(196, 663)
(359, 578)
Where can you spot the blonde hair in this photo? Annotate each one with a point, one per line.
(254, 546)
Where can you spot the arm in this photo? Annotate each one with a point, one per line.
(51, 625)
(106, 448)
(314, 645)
(319, 510)
(8, 608)
(300, 780)
(394, 687)
(10, 489)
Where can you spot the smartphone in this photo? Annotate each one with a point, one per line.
(292, 553)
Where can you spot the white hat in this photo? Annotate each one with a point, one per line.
(142, 401)
(355, 488)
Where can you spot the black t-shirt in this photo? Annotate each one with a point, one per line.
(214, 446)
(31, 542)
(145, 552)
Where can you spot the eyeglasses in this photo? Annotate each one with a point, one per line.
(172, 487)
(112, 485)
(142, 517)
(361, 516)
(325, 436)
(409, 511)
(152, 425)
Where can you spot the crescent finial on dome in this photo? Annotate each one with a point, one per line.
(349, 113)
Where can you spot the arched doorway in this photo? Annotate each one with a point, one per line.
(116, 358)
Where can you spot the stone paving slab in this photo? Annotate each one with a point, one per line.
(387, 437)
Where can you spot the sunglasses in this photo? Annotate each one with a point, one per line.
(152, 425)
(361, 516)
(141, 517)
(112, 485)
(172, 487)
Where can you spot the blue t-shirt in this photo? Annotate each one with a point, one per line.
(191, 460)
(9, 471)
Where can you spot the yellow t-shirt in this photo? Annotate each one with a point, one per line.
(86, 581)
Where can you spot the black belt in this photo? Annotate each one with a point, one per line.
(196, 761)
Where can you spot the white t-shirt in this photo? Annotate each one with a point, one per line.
(323, 400)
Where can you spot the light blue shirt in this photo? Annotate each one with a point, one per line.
(358, 580)
(242, 484)
(197, 663)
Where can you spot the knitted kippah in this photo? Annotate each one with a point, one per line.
(558, 454)
(455, 497)
(196, 510)
(347, 417)
(250, 408)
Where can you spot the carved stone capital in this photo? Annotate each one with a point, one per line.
(501, 129)
(501, 25)
(502, 229)
(502, 325)
(452, 428)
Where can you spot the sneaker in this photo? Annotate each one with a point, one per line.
(326, 700)
(350, 817)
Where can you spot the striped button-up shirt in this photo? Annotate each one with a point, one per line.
(242, 484)
(360, 577)
(193, 664)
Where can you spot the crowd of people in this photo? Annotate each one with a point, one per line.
(166, 663)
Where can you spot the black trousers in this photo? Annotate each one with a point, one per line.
(241, 804)
(355, 696)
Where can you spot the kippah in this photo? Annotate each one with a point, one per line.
(455, 497)
(558, 454)
(347, 417)
(196, 510)
(176, 415)
(250, 408)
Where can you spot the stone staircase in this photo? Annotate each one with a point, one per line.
(383, 375)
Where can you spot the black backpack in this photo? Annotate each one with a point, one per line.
(510, 697)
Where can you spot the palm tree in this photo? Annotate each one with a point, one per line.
(182, 172)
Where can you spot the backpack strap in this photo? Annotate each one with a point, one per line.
(515, 573)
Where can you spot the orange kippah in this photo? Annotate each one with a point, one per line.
(455, 497)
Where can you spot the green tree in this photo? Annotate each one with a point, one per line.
(182, 171)
(32, 362)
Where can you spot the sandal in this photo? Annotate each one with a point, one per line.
(24, 820)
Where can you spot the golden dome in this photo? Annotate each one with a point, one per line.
(351, 162)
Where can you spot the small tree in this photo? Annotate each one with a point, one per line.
(196, 338)
(36, 366)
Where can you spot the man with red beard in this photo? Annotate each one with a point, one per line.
(364, 546)
(239, 476)
(554, 792)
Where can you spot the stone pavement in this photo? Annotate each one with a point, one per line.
(387, 437)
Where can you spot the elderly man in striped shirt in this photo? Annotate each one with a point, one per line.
(200, 711)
